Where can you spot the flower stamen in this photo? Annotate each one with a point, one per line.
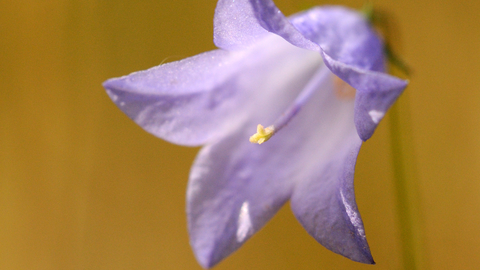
(318, 78)
(263, 134)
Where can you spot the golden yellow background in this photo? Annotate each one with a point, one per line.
(83, 187)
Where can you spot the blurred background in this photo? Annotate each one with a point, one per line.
(83, 187)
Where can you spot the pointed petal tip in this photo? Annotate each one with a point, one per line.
(367, 118)
(401, 83)
(206, 256)
(367, 258)
(114, 88)
(106, 84)
(111, 87)
(205, 263)
(112, 84)
(364, 136)
(357, 253)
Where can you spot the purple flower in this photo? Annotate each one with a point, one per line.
(270, 70)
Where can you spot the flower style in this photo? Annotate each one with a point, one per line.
(317, 77)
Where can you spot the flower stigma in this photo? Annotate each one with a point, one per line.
(263, 134)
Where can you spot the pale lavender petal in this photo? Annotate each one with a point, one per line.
(273, 20)
(324, 203)
(235, 25)
(376, 92)
(241, 23)
(343, 34)
(233, 175)
(185, 102)
(232, 193)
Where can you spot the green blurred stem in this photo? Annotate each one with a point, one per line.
(405, 177)
(407, 193)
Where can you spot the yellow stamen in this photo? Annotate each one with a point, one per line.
(314, 84)
(262, 135)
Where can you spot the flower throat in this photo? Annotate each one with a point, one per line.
(264, 134)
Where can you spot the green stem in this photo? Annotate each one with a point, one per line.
(407, 192)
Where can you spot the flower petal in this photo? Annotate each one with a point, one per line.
(343, 34)
(325, 205)
(184, 102)
(233, 191)
(240, 23)
(376, 92)
(235, 25)
(273, 20)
